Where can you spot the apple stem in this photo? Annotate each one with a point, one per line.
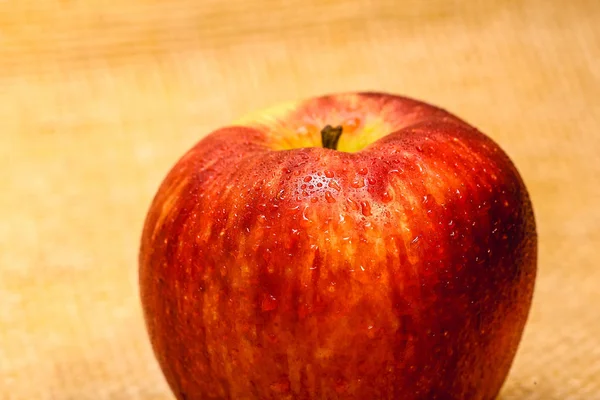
(330, 137)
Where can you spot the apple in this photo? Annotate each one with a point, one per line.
(347, 246)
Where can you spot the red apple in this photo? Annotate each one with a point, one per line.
(399, 262)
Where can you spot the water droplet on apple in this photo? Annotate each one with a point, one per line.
(307, 178)
(331, 287)
(365, 208)
(415, 240)
(352, 122)
(329, 174)
(269, 303)
(334, 185)
(386, 197)
(329, 197)
(363, 171)
(353, 205)
(314, 199)
(358, 183)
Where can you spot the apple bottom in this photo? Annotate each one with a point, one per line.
(355, 341)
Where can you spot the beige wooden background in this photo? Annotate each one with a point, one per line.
(97, 100)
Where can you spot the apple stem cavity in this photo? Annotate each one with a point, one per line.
(330, 137)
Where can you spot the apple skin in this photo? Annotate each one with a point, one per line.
(400, 266)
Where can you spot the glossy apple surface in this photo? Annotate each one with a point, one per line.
(399, 266)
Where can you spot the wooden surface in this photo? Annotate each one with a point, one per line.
(97, 100)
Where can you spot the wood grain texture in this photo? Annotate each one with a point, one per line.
(98, 100)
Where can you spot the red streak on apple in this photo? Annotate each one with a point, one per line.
(400, 266)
